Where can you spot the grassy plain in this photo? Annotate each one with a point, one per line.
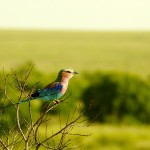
(85, 51)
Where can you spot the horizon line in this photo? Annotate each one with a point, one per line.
(74, 29)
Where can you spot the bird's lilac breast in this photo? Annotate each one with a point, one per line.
(64, 89)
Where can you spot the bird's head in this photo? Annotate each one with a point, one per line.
(67, 73)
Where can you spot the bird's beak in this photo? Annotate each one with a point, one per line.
(75, 72)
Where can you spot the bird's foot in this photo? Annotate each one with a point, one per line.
(56, 101)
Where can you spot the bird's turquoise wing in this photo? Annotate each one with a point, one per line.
(51, 91)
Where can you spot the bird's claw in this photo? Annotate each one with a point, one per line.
(56, 101)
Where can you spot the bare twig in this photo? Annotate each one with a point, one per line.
(3, 144)
(67, 125)
(27, 135)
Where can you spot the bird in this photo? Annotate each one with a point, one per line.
(54, 90)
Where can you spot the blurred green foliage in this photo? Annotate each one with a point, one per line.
(117, 97)
(106, 96)
(85, 51)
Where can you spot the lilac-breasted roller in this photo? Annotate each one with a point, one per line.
(54, 90)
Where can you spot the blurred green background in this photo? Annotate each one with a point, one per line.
(114, 79)
(84, 51)
(108, 42)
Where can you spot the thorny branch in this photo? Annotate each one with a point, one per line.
(27, 135)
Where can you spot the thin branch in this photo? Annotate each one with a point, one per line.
(72, 122)
(29, 135)
(18, 123)
(3, 144)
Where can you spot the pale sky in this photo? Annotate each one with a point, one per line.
(76, 14)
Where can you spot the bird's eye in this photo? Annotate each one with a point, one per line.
(68, 71)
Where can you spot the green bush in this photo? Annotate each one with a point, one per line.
(116, 97)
